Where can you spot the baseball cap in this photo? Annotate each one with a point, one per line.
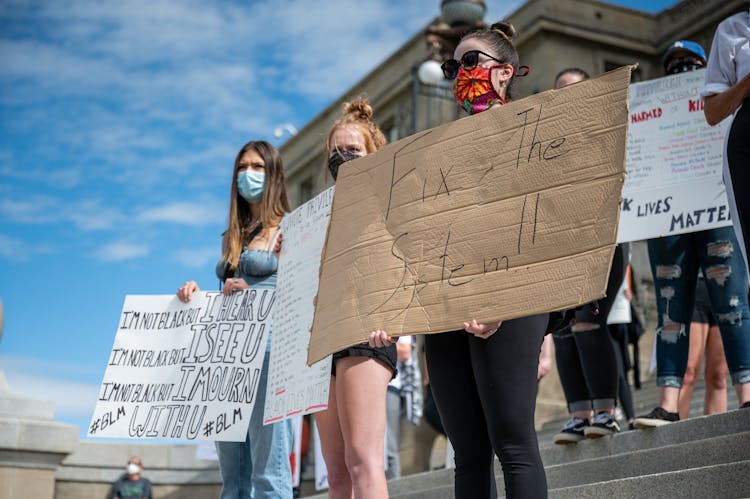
(685, 46)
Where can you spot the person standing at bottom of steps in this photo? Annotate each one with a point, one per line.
(585, 354)
(484, 376)
(675, 261)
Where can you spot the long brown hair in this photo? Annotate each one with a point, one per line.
(498, 37)
(273, 205)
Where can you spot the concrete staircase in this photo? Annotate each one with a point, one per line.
(704, 456)
(707, 456)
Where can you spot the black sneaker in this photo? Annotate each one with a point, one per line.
(572, 431)
(745, 405)
(603, 424)
(657, 417)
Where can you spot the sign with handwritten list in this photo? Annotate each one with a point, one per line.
(674, 161)
(293, 387)
(504, 214)
(184, 371)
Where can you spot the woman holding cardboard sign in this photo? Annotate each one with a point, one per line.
(484, 377)
(258, 467)
(352, 429)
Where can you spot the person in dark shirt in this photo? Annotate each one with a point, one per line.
(132, 485)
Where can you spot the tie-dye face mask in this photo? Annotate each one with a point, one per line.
(473, 89)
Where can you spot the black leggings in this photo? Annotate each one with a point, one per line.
(586, 360)
(623, 366)
(485, 392)
(738, 159)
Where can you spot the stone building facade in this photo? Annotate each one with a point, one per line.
(40, 458)
(552, 35)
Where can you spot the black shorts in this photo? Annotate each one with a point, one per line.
(702, 309)
(386, 355)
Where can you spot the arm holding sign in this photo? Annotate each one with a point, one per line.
(381, 339)
(722, 105)
(186, 291)
(727, 71)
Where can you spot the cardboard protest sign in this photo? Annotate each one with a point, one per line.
(674, 161)
(504, 214)
(293, 387)
(184, 371)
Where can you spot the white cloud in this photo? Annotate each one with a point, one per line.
(121, 251)
(184, 213)
(85, 214)
(134, 94)
(197, 258)
(73, 399)
(10, 247)
(20, 251)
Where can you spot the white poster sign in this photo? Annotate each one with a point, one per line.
(184, 371)
(296, 457)
(293, 387)
(321, 472)
(674, 161)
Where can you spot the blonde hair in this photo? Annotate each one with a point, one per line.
(273, 205)
(358, 114)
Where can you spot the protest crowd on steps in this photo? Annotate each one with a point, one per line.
(477, 385)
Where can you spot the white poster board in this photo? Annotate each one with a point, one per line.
(293, 387)
(619, 313)
(674, 161)
(184, 371)
(321, 472)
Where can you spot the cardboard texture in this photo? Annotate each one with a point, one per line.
(505, 214)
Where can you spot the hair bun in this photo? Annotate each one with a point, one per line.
(505, 28)
(359, 108)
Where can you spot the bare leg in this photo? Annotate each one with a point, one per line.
(698, 336)
(332, 443)
(361, 385)
(668, 397)
(716, 374)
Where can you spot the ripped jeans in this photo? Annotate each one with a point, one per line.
(675, 261)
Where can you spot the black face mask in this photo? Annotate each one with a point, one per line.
(683, 65)
(337, 159)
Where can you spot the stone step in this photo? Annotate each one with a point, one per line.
(699, 428)
(721, 480)
(644, 400)
(662, 460)
(695, 443)
(696, 454)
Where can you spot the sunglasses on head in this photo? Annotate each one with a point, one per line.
(469, 61)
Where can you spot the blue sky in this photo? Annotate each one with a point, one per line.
(119, 122)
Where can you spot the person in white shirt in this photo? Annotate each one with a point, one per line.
(725, 93)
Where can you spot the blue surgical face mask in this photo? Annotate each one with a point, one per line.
(250, 185)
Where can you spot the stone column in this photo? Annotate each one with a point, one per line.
(32, 445)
